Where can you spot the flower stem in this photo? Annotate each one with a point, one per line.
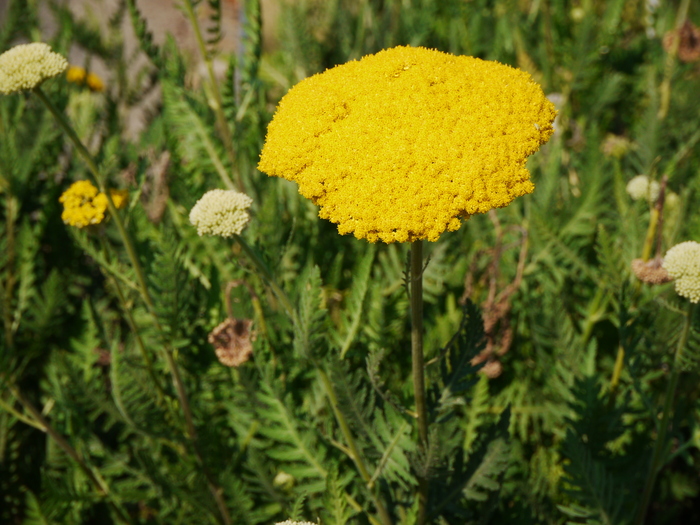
(218, 103)
(94, 477)
(131, 252)
(660, 445)
(347, 434)
(267, 276)
(100, 183)
(419, 365)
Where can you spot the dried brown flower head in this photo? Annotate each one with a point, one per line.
(651, 271)
(233, 341)
(688, 42)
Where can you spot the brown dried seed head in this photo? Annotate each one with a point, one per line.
(688, 42)
(232, 341)
(650, 272)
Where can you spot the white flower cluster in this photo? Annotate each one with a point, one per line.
(641, 187)
(221, 212)
(682, 262)
(27, 65)
(290, 522)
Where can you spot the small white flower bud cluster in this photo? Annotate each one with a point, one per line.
(682, 262)
(641, 187)
(27, 65)
(290, 522)
(221, 212)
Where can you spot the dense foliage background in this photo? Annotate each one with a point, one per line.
(555, 421)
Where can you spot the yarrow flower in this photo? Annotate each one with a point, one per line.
(78, 75)
(83, 205)
(403, 144)
(27, 65)
(221, 212)
(682, 262)
(642, 187)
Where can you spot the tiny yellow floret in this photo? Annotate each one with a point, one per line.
(27, 65)
(83, 205)
(403, 144)
(221, 212)
(682, 262)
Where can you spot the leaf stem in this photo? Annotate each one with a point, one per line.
(418, 366)
(657, 461)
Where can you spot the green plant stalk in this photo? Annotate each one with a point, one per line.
(132, 325)
(347, 434)
(418, 366)
(94, 477)
(327, 385)
(265, 273)
(126, 239)
(8, 288)
(617, 372)
(19, 416)
(97, 179)
(218, 99)
(665, 88)
(649, 240)
(660, 445)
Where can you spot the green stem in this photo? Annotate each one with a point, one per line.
(418, 364)
(10, 283)
(132, 325)
(218, 99)
(265, 273)
(94, 477)
(665, 88)
(354, 452)
(328, 386)
(657, 461)
(100, 183)
(126, 239)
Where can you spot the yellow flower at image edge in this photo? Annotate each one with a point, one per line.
(83, 205)
(402, 145)
(682, 262)
(221, 212)
(27, 65)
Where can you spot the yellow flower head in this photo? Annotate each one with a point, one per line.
(682, 262)
(78, 75)
(83, 205)
(27, 65)
(401, 145)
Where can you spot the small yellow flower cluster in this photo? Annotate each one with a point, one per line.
(78, 75)
(682, 262)
(641, 187)
(83, 205)
(401, 145)
(27, 65)
(221, 212)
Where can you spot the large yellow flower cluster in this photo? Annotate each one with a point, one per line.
(27, 65)
(83, 205)
(401, 145)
